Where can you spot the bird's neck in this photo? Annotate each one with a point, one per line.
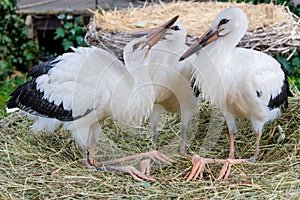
(174, 45)
(135, 97)
(142, 97)
(217, 54)
(211, 71)
(231, 40)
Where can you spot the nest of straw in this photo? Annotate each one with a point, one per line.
(49, 165)
(272, 28)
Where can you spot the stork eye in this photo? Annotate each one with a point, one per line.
(175, 28)
(223, 21)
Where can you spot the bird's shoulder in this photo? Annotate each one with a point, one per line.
(263, 76)
(256, 64)
(43, 68)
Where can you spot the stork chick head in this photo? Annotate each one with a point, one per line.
(176, 31)
(228, 27)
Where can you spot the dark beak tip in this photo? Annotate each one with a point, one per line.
(172, 21)
(181, 59)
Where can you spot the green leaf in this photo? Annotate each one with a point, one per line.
(6, 39)
(67, 44)
(68, 25)
(8, 2)
(4, 64)
(79, 40)
(72, 37)
(78, 21)
(59, 33)
(72, 31)
(29, 56)
(296, 61)
(79, 29)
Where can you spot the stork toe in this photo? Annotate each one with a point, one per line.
(156, 155)
(198, 167)
(145, 166)
(228, 163)
(137, 175)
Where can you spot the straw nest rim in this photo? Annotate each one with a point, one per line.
(273, 29)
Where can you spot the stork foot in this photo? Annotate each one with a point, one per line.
(144, 173)
(136, 174)
(157, 156)
(93, 162)
(154, 155)
(228, 163)
(198, 167)
(89, 159)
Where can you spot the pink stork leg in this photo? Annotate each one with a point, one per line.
(225, 171)
(89, 160)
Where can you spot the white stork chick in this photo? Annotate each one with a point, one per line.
(80, 89)
(243, 83)
(170, 79)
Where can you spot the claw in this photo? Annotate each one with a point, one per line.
(145, 167)
(198, 167)
(228, 163)
(139, 176)
(225, 170)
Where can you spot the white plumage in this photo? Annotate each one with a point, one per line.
(170, 78)
(83, 88)
(85, 82)
(243, 83)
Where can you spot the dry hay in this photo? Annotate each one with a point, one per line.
(195, 15)
(272, 29)
(49, 165)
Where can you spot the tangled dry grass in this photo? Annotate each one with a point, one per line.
(195, 15)
(49, 165)
(272, 28)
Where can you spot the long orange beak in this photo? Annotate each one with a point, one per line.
(154, 34)
(165, 25)
(203, 41)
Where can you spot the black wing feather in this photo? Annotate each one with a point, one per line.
(195, 88)
(281, 100)
(28, 98)
(42, 68)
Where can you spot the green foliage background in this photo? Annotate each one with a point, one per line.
(17, 50)
(72, 33)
